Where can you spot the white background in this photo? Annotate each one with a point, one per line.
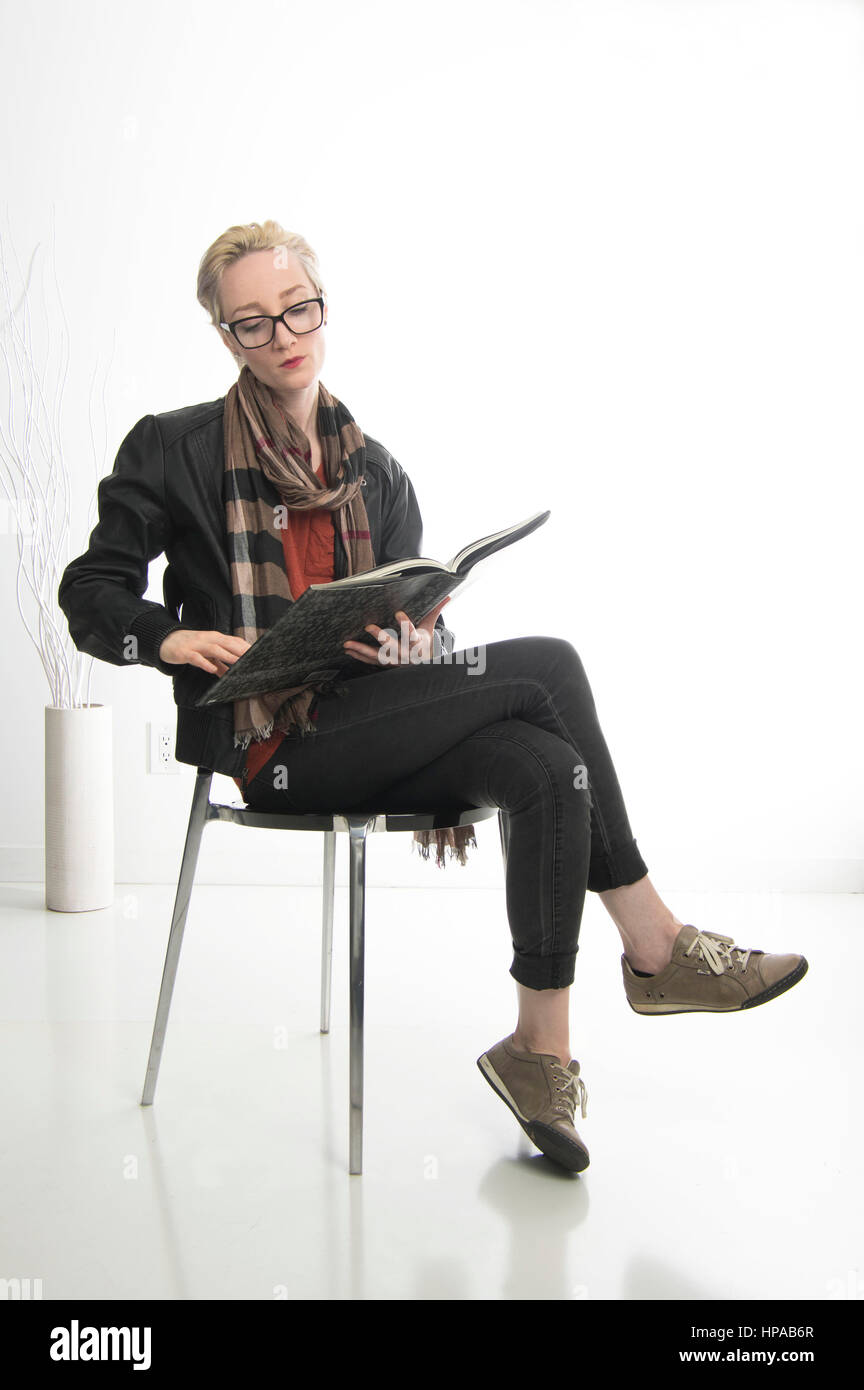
(602, 257)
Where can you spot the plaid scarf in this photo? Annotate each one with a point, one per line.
(268, 464)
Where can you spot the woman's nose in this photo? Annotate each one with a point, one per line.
(283, 336)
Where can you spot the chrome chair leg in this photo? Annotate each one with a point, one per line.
(357, 829)
(197, 821)
(503, 835)
(329, 880)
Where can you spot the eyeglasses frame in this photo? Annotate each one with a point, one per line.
(274, 319)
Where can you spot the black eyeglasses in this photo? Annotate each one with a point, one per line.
(259, 331)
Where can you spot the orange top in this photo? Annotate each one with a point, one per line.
(308, 542)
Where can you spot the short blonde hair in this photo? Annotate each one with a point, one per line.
(239, 241)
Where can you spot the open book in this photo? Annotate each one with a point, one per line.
(306, 643)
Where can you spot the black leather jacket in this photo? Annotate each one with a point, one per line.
(165, 495)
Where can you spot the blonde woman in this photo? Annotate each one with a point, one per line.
(274, 486)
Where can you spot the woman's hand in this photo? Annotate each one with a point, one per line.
(414, 643)
(211, 651)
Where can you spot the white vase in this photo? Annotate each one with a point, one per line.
(79, 808)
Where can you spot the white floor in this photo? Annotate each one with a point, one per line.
(726, 1151)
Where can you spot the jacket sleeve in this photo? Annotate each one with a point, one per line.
(101, 592)
(402, 534)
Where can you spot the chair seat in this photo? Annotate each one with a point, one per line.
(385, 821)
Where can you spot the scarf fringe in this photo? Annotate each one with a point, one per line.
(455, 840)
(244, 738)
(293, 717)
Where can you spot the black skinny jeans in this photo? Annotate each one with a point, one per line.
(515, 735)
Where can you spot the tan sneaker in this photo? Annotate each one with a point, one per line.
(710, 974)
(543, 1096)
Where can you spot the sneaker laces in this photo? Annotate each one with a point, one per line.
(716, 951)
(573, 1090)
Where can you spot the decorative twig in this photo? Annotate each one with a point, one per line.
(36, 480)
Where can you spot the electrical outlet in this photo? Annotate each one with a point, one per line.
(160, 750)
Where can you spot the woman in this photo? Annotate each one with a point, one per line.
(256, 495)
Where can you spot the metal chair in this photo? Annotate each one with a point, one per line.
(357, 825)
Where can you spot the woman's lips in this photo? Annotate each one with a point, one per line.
(291, 362)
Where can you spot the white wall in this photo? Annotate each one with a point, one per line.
(604, 257)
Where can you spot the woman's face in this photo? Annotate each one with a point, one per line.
(267, 282)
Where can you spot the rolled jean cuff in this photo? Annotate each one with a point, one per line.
(617, 869)
(544, 972)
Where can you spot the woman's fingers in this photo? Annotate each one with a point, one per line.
(203, 664)
(361, 653)
(237, 645)
(405, 647)
(407, 636)
(219, 652)
(381, 657)
(414, 643)
(209, 651)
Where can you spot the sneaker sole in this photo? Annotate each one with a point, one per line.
(547, 1140)
(779, 988)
